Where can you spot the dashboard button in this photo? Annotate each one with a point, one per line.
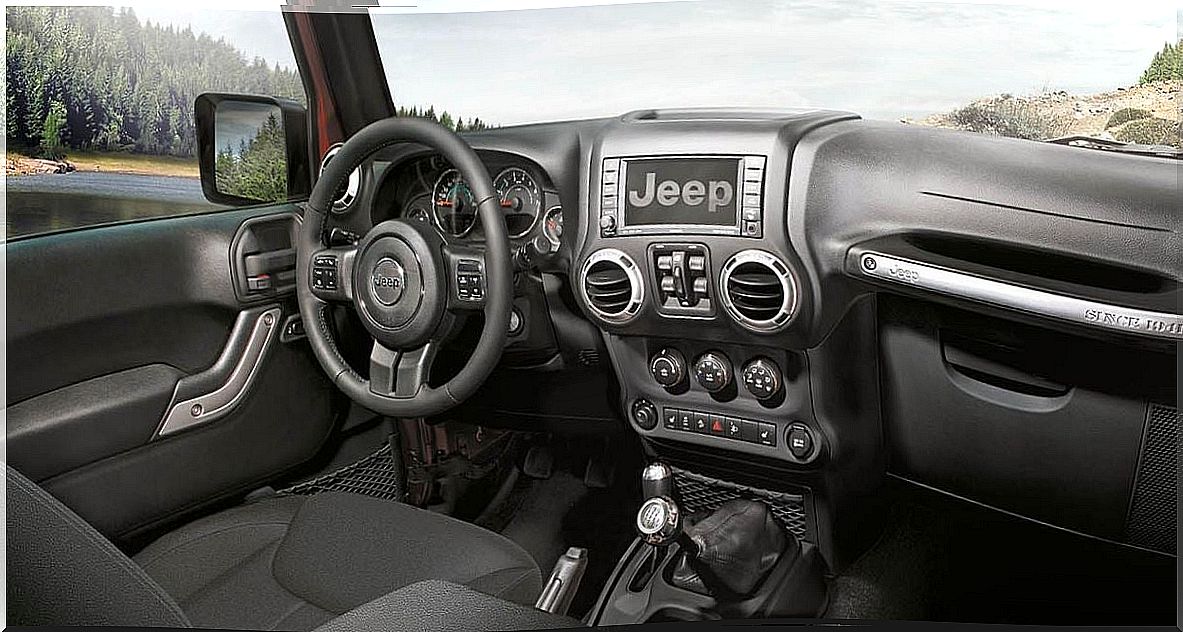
(670, 419)
(701, 423)
(718, 427)
(749, 431)
(767, 434)
(800, 441)
(734, 428)
(685, 423)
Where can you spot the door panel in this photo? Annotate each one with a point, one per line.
(107, 326)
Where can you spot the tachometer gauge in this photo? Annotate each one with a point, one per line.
(552, 225)
(521, 200)
(453, 203)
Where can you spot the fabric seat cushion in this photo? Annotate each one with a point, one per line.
(295, 562)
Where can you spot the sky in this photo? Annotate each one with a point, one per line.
(884, 59)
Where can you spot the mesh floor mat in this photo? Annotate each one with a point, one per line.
(373, 475)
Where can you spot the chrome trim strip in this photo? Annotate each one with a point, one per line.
(1127, 320)
(352, 185)
(203, 409)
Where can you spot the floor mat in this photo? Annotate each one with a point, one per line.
(373, 475)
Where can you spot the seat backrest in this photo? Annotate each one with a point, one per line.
(61, 571)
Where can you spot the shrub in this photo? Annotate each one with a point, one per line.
(1167, 64)
(1151, 131)
(1014, 118)
(1125, 115)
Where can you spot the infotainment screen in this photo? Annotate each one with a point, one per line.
(701, 191)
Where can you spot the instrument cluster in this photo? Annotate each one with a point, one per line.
(429, 189)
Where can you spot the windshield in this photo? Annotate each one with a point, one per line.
(1030, 71)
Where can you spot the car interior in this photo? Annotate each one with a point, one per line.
(670, 365)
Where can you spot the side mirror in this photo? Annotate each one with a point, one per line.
(252, 149)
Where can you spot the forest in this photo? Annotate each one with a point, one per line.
(97, 79)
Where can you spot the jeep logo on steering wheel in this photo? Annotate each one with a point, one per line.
(387, 281)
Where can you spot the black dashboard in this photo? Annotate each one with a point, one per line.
(821, 301)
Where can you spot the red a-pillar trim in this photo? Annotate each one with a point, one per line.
(327, 126)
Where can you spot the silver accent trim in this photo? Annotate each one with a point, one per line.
(203, 409)
(788, 285)
(964, 285)
(352, 185)
(631, 270)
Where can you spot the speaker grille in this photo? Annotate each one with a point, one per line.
(1153, 512)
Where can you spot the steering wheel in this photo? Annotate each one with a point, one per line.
(406, 281)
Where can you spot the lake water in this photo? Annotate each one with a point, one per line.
(42, 203)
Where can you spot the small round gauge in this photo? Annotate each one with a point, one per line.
(453, 203)
(418, 209)
(552, 225)
(521, 200)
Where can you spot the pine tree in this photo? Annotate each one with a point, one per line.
(1167, 64)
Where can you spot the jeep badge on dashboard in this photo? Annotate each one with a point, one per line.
(693, 193)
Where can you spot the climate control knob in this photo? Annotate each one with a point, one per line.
(713, 371)
(668, 367)
(762, 378)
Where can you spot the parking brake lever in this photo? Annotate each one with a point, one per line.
(560, 588)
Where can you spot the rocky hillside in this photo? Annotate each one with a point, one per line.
(1147, 113)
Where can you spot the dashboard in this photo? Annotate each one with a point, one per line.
(815, 302)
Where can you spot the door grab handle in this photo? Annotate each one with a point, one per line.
(202, 409)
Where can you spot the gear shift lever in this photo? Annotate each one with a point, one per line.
(659, 521)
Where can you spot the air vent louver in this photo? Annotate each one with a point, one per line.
(612, 285)
(758, 290)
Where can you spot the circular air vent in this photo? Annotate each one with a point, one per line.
(347, 192)
(758, 290)
(612, 285)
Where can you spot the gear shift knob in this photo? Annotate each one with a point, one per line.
(659, 522)
(657, 480)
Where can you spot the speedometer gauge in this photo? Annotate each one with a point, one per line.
(521, 200)
(453, 203)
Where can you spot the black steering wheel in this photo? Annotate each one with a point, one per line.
(406, 281)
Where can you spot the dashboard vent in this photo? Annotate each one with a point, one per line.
(758, 290)
(612, 285)
(347, 193)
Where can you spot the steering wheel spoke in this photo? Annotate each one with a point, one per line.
(331, 274)
(467, 282)
(401, 374)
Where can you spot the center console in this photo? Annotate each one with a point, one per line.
(686, 265)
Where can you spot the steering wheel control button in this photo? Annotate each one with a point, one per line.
(762, 378)
(713, 371)
(644, 414)
(766, 435)
(388, 279)
(470, 282)
(324, 272)
(668, 367)
(800, 441)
